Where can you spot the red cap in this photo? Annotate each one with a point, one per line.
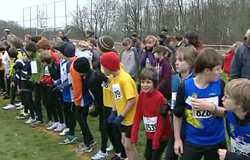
(111, 61)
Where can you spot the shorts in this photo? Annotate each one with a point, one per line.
(126, 129)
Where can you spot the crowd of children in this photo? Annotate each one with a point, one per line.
(171, 84)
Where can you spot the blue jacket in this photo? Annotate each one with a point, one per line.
(241, 63)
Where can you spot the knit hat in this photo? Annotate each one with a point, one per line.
(105, 43)
(68, 49)
(111, 61)
(81, 65)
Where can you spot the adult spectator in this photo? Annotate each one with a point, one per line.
(136, 42)
(89, 34)
(61, 34)
(7, 35)
(27, 38)
(192, 38)
(241, 61)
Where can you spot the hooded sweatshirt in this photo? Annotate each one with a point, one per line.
(164, 72)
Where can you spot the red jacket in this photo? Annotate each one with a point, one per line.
(157, 127)
(228, 60)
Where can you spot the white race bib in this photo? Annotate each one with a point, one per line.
(117, 91)
(46, 71)
(240, 148)
(33, 67)
(173, 99)
(150, 123)
(199, 113)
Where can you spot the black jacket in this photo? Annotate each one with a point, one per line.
(23, 74)
(54, 71)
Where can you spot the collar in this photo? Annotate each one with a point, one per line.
(244, 122)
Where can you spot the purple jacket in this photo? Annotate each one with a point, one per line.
(151, 59)
(164, 71)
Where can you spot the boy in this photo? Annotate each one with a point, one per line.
(158, 128)
(37, 70)
(125, 99)
(185, 61)
(66, 51)
(2, 83)
(236, 101)
(13, 54)
(23, 72)
(96, 57)
(164, 71)
(53, 97)
(129, 58)
(201, 97)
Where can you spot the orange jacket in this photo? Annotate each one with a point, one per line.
(77, 83)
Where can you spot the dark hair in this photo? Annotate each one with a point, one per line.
(31, 46)
(134, 35)
(193, 38)
(13, 52)
(207, 58)
(16, 42)
(178, 37)
(126, 41)
(35, 38)
(149, 73)
(160, 49)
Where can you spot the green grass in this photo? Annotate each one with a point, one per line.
(19, 141)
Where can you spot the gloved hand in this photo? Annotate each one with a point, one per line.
(118, 120)
(165, 109)
(112, 116)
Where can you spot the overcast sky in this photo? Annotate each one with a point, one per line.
(13, 10)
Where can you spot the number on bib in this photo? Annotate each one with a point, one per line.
(173, 99)
(150, 124)
(201, 114)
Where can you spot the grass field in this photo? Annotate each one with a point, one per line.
(19, 141)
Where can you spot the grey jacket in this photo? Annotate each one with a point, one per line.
(240, 67)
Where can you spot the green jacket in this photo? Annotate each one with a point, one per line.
(37, 77)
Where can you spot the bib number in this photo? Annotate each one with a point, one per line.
(117, 91)
(173, 99)
(150, 124)
(201, 114)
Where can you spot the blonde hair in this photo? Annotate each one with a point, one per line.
(238, 91)
(189, 54)
(150, 37)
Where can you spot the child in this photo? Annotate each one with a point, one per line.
(53, 97)
(23, 71)
(66, 51)
(147, 57)
(236, 102)
(129, 58)
(37, 70)
(184, 66)
(192, 38)
(157, 127)
(201, 97)
(229, 57)
(6, 63)
(2, 83)
(125, 99)
(13, 54)
(96, 57)
(164, 71)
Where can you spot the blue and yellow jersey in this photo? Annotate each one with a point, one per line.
(239, 135)
(203, 128)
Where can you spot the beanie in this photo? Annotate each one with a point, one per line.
(81, 65)
(111, 61)
(105, 43)
(68, 49)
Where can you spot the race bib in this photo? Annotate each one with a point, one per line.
(117, 91)
(105, 85)
(240, 147)
(148, 62)
(173, 99)
(150, 123)
(46, 71)
(33, 67)
(199, 113)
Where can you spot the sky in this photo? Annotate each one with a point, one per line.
(18, 7)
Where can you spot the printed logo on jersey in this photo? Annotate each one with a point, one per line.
(232, 129)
